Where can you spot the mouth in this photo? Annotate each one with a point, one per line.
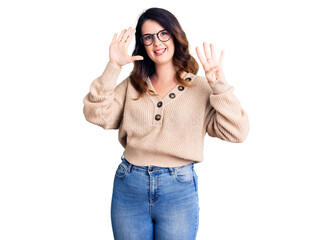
(160, 52)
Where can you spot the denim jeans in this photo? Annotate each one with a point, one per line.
(157, 203)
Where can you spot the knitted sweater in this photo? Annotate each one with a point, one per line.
(168, 131)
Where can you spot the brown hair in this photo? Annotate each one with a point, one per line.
(182, 59)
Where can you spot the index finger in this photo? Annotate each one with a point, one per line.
(201, 57)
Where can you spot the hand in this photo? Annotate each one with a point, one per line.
(118, 50)
(213, 69)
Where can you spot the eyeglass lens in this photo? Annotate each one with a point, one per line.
(162, 35)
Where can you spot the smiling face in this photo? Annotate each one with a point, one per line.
(159, 52)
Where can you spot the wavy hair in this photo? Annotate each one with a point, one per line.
(182, 60)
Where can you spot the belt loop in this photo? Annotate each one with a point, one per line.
(129, 167)
(171, 170)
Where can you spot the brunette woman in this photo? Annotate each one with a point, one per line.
(163, 111)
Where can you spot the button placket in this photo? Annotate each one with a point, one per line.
(160, 103)
(158, 113)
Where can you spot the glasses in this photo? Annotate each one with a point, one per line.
(163, 36)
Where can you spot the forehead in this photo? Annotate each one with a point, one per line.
(150, 26)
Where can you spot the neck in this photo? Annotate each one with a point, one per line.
(164, 74)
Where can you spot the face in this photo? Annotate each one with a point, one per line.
(159, 52)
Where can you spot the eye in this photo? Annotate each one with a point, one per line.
(147, 37)
(164, 33)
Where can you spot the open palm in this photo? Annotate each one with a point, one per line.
(212, 66)
(118, 50)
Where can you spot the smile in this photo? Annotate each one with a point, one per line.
(160, 52)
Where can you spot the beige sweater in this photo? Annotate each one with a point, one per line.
(166, 131)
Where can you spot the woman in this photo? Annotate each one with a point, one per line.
(163, 111)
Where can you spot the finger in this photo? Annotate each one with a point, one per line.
(130, 37)
(114, 38)
(206, 50)
(221, 59)
(121, 35)
(128, 31)
(136, 58)
(201, 58)
(212, 50)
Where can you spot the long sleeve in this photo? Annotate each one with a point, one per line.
(226, 118)
(104, 104)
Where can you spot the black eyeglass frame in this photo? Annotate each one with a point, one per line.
(152, 35)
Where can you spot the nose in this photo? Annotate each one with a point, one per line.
(157, 41)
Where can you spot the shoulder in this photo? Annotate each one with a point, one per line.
(199, 82)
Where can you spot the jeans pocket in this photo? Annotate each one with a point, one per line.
(121, 170)
(184, 175)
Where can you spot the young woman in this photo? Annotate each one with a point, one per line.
(163, 111)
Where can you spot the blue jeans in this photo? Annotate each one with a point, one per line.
(158, 203)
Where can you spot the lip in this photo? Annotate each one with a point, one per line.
(161, 53)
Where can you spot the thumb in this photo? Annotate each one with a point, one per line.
(136, 58)
(211, 74)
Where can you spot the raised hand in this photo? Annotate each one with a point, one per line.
(212, 66)
(118, 50)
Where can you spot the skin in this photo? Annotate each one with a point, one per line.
(212, 66)
(165, 74)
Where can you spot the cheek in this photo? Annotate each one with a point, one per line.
(171, 47)
(172, 50)
(149, 51)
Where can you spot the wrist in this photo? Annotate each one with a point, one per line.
(220, 85)
(114, 63)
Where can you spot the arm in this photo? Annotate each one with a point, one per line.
(226, 118)
(104, 104)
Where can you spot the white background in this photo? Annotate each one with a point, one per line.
(57, 170)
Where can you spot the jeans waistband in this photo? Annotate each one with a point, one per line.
(155, 168)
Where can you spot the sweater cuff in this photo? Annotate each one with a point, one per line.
(219, 85)
(111, 72)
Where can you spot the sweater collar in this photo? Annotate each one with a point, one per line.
(172, 95)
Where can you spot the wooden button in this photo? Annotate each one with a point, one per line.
(172, 95)
(180, 88)
(157, 117)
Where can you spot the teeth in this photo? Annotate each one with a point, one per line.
(160, 51)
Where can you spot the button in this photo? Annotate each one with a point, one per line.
(188, 79)
(157, 117)
(172, 95)
(159, 104)
(152, 168)
(180, 88)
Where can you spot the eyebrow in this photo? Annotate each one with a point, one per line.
(153, 33)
